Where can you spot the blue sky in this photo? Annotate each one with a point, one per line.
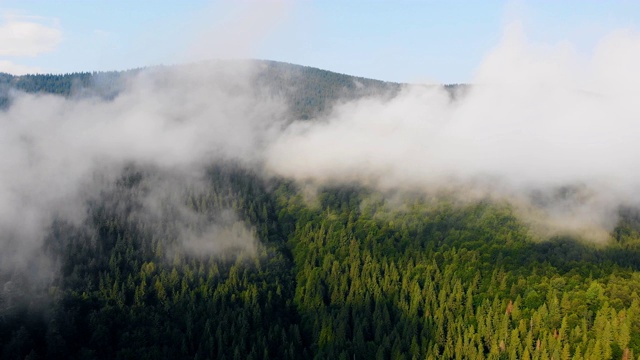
(407, 41)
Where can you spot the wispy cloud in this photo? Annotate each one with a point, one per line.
(18, 69)
(28, 35)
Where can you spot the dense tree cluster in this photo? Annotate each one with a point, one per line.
(345, 275)
(105, 84)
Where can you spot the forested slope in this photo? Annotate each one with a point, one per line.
(347, 276)
(346, 272)
(308, 91)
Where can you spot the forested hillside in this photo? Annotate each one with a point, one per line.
(311, 91)
(346, 276)
(308, 91)
(346, 272)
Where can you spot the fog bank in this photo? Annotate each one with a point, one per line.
(536, 119)
(58, 152)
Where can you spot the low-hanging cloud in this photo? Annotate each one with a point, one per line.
(535, 120)
(177, 119)
(553, 132)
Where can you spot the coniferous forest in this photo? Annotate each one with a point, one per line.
(344, 273)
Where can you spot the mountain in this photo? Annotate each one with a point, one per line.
(309, 91)
(245, 266)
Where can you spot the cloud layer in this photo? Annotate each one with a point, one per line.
(553, 132)
(536, 119)
(177, 119)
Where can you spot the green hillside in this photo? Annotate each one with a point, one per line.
(345, 274)
(308, 91)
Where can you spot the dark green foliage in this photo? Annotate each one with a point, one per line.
(104, 84)
(350, 276)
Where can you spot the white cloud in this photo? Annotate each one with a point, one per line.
(17, 69)
(170, 119)
(538, 118)
(26, 36)
(239, 32)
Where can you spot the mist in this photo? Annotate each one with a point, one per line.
(535, 120)
(544, 128)
(59, 153)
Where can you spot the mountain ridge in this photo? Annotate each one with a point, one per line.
(309, 91)
(306, 88)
